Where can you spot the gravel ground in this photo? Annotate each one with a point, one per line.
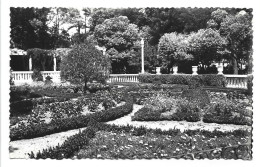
(20, 149)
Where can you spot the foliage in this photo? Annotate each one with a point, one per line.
(161, 107)
(173, 48)
(228, 112)
(237, 29)
(128, 142)
(116, 33)
(48, 80)
(206, 46)
(37, 76)
(84, 64)
(204, 80)
(66, 150)
(29, 28)
(197, 96)
(64, 124)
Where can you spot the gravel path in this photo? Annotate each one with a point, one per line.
(19, 149)
(182, 125)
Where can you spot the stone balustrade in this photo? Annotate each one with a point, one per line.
(19, 77)
(123, 78)
(236, 81)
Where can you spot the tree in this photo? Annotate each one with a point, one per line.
(84, 64)
(118, 36)
(237, 29)
(173, 48)
(206, 46)
(29, 28)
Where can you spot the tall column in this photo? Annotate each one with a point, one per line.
(142, 46)
(55, 65)
(30, 63)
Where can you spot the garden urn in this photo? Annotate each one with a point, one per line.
(194, 70)
(175, 69)
(158, 70)
(220, 69)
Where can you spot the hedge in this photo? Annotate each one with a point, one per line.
(25, 106)
(185, 79)
(43, 129)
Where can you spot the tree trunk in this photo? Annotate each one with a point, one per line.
(235, 67)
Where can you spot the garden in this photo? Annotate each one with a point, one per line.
(172, 114)
(40, 111)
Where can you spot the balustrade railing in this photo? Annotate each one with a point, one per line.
(123, 78)
(233, 81)
(20, 77)
(236, 81)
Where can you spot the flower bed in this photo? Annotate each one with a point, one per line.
(36, 128)
(219, 110)
(126, 142)
(161, 107)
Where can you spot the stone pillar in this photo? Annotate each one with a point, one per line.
(30, 63)
(175, 69)
(55, 65)
(142, 54)
(194, 70)
(220, 69)
(158, 70)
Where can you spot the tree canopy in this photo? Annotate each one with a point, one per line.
(84, 63)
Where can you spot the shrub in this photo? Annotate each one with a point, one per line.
(48, 80)
(146, 114)
(188, 111)
(37, 76)
(168, 109)
(227, 112)
(198, 96)
(250, 85)
(185, 79)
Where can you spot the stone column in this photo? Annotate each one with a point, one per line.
(142, 54)
(55, 65)
(194, 70)
(30, 63)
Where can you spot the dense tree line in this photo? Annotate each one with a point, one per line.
(172, 35)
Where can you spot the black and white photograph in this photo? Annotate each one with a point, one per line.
(130, 83)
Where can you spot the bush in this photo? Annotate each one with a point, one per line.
(48, 80)
(168, 109)
(37, 76)
(227, 112)
(250, 85)
(198, 96)
(146, 114)
(188, 111)
(185, 79)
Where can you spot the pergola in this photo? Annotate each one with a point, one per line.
(59, 52)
